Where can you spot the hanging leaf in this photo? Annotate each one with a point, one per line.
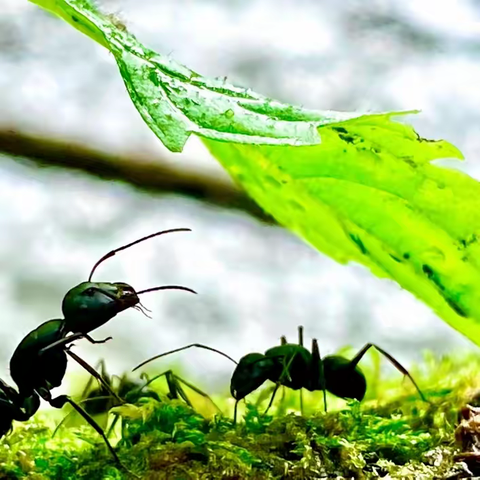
(358, 187)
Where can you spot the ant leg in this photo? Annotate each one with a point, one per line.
(392, 360)
(62, 342)
(71, 412)
(62, 421)
(71, 338)
(94, 373)
(277, 386)
(318, 372)
(112, 426)
(176, 390)
(197, 345)
(283, 340)
(61, 400)
(264, 395)
(300, 335)
(282, 400)
(92, 340)
(235, 412)
(301, 401)
(286, 370)
(196, 390)
(100, 365)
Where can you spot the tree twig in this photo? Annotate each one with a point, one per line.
(150, 174)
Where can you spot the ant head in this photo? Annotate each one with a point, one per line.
(91, 304)
(251, 372)
(95, 303)
(342, 379)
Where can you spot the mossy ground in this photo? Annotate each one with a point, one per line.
(396, 436)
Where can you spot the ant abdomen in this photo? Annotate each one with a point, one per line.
(342, 379)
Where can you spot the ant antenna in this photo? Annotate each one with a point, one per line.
(167, 287)
(124, 247)
(196, 345)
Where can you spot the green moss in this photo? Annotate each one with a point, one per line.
(398, 438)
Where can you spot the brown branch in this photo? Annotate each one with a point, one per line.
(145, 174)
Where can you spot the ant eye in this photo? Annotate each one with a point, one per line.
(90, 291)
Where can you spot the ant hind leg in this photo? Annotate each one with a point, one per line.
(392, 360)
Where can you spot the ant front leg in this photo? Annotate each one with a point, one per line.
(96, 342)
(285, 375)
(277, 386)
(63, 342)
(235, 412)
(392, 360)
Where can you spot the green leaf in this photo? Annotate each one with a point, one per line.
(369, 194)
(358, 187)
(175, 102)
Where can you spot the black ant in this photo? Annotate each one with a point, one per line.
(39, 362)
(89, 305)
(293, 366)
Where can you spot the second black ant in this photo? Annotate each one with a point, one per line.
(293, 366)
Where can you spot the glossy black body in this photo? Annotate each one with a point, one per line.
(39, 373)
(342, 379)
(293, 366)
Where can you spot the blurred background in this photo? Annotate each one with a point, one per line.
(80, 174)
